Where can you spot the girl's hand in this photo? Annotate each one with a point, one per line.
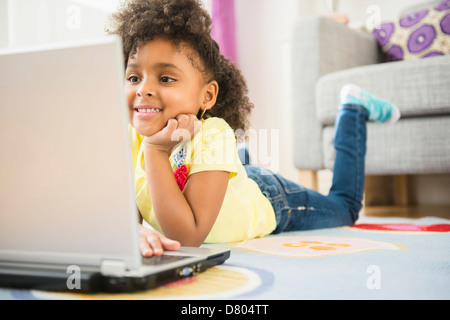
(182, 128)
(154, 243)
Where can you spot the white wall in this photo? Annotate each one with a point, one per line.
(3, 23)
(263, 39)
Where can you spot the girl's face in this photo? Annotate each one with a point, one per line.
(160, 84)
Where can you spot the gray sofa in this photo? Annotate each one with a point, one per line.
(327, 55)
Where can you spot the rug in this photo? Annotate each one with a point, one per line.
(377, 258)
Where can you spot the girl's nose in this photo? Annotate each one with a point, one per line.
(145, 90)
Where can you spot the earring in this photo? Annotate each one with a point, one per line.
(203, 113)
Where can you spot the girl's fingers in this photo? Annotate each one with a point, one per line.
(185, 129)
(183, 121)
(172, 125)
(188, 124)
(146, 250)
(155, 244)
(149, 242)
(168, 244)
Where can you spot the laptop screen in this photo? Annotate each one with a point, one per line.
(66, 188)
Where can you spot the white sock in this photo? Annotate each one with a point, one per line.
(350, 89)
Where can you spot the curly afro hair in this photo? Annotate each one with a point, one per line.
(186, 22)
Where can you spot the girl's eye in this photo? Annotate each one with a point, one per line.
(167, 79)
(133, 79)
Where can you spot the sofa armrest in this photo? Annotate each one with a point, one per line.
(320, 46)
(417, 87)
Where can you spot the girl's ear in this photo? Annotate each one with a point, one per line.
(210, 95)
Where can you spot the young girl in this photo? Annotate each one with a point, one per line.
(184, 101)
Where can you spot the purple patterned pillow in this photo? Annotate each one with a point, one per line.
(418, 35)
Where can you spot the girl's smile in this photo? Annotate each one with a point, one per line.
(146, 111)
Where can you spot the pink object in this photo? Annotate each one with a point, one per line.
(223, 27)
(181, 176)
(403, 227)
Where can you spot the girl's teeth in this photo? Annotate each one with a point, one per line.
(149, 110)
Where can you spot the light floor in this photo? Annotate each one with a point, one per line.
(402, 211)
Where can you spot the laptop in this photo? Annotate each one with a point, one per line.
(68, 216)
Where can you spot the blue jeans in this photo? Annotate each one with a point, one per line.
(299, 208)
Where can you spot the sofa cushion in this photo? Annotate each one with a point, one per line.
(414, 145)
(422, 34)
(418, 88)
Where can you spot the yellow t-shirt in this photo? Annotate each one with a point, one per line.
(245, 214)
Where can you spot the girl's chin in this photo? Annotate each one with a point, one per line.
(146, 128)
(145, 131)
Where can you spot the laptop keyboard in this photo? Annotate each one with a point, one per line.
(158, 260)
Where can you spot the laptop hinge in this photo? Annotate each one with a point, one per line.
(113, 268)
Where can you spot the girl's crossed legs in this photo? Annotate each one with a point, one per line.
(299, 208)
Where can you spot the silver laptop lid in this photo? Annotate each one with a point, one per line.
(66, 187)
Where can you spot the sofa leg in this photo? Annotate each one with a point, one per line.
(309, 179)
(401, 190)
(387, 190)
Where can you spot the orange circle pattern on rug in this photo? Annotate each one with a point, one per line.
(322, 248)
(313, 246)
(328, 246)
